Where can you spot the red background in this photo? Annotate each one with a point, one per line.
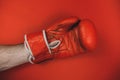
(18, 17)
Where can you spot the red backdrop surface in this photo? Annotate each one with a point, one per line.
(18, 17)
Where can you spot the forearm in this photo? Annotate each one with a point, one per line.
(62, 39)
(11, 56)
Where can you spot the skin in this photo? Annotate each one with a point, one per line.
(11, 56)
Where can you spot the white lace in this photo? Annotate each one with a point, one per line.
(28, 49)
(49, 46)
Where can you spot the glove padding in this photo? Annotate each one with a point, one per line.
(65, 38)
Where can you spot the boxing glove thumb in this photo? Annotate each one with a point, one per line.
(65, 38)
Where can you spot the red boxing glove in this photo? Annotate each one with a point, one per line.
(65, 38)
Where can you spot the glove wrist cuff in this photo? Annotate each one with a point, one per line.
(36, 44)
